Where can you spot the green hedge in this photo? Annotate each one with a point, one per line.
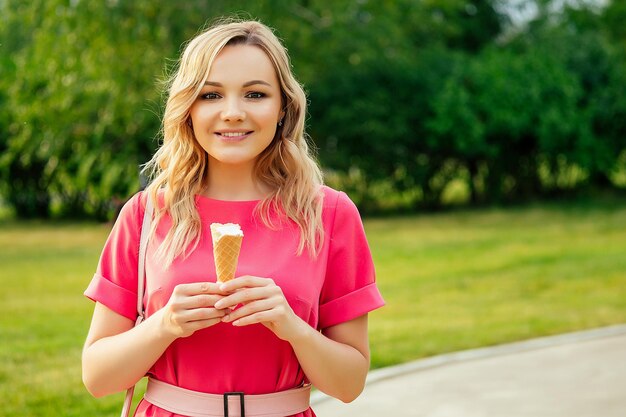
(409, 101)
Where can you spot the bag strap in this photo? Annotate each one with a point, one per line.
(141, 264)
(141, 276)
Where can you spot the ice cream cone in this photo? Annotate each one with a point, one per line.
(227, 240)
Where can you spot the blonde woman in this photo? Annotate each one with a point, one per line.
(234, 151)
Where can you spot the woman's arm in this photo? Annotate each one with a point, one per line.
(117, 355)
(335, 361)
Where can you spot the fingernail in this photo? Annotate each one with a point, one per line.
(218, 305)
(223, 287)
(226, 318)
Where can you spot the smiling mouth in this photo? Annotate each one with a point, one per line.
(233, 135)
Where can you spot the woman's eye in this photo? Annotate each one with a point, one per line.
(210, 96)
(255, 94)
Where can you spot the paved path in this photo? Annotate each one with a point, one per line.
(573, 375)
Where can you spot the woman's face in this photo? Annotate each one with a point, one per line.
(236, 114)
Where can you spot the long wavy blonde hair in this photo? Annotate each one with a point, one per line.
(180, 166)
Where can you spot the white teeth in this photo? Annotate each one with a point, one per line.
(233, 134)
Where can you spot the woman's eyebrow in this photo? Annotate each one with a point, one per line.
(246, 84)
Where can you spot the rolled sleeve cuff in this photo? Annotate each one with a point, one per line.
(350, 306)
(117, 298)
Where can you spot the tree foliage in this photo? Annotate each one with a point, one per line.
(409, 94)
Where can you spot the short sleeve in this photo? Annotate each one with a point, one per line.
(115, 282)
(349, 288)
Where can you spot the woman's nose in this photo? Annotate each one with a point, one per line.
(233, 111)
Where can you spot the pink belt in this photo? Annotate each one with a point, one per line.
(231, 404)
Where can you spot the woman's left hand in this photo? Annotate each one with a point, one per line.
(262, 301)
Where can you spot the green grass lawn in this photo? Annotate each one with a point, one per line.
(451, 281)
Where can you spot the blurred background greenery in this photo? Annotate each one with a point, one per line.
(413, 104)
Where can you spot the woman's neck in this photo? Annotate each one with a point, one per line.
(234, 183)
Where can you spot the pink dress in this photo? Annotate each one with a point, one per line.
(336, 287)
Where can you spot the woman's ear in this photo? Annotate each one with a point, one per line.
(281, 118)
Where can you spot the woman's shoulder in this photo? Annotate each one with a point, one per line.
(331, 196)
(130, 207)
(338, 202)
(135, 205)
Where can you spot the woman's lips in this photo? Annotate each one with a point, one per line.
(232, 136)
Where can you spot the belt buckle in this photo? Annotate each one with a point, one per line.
(241, 402)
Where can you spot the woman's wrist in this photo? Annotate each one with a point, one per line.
(159, 328)
(302, 332)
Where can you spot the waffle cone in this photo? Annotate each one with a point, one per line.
(226, 253)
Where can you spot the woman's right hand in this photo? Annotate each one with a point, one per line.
(191, 308)
(118, 354)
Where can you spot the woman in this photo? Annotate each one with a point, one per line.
(234, 151)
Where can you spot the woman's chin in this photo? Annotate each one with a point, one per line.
(233, 159)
